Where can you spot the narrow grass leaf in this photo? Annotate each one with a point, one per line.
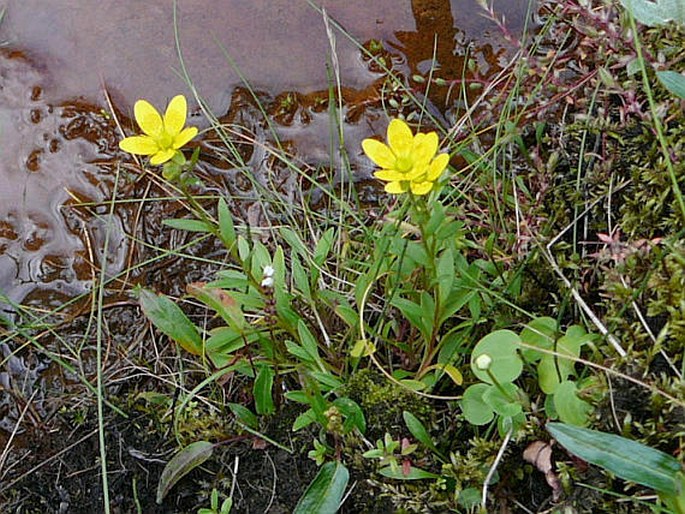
(325, 492)
(171, 320)
(189, 225)
(181, 464)
(627, 459)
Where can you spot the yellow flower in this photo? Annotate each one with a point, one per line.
(163, 136)
(408, 162)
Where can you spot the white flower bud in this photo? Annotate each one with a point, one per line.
(483, 362)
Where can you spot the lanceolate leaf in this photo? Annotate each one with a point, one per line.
(171, 320)
(625, 458)
(189, 225)
(324, 494)
(181, 464)
(419, 431)
(673, 81)
(656, 12)
(263, 384)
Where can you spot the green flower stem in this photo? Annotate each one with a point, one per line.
(421, 211)
(501, 389)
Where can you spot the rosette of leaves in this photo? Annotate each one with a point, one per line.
(555, 359)
(496, 362)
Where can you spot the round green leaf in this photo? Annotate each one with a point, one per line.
(504, 401)
(476, 411)
(501, 347)
(570, 408)
(540, 333)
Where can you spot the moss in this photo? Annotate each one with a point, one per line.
(383, 403)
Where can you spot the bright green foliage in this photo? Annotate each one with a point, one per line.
(502, 347)
(215, 508)
(386, 452)
(324, 494)
(627, 459)
(497, 361)
(171, 320)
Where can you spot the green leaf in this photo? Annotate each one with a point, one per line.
(303, 420)
(505, 401)
(541, 333)
(189, 225)
(300, 277)
(244, 415)
(226, 228)
(323, 247)
(673, 81)
(446, 274)
(181, 464)
(263, 384)
(260, 259)
(413, 312)
(419, 431)
(224, 303)
(325, 492)
(656, 12)
(171, 320)
(568, 406)
(476, 411)
(309, 343)
(627, 459)
(354, 415)
(501, 347)
(458, 297)
(554, 369)
(243, 249)
(414, 473)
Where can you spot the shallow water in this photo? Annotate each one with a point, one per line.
(56, 147)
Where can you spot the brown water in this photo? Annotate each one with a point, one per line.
(56, 145)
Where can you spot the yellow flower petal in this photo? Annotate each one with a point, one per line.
(390, 175)
(149, 120)
(175, 115)
(396, 188)
(162, 156)
(421, 188)
(425, 147)
(437, 166)
(400, 137)
(379, 153)
(184, 136)
(139, 145)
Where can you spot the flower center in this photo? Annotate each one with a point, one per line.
(404, 163)
(165, 140)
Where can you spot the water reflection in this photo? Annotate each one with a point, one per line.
(56, 154)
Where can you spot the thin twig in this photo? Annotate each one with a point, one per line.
(493, 468)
